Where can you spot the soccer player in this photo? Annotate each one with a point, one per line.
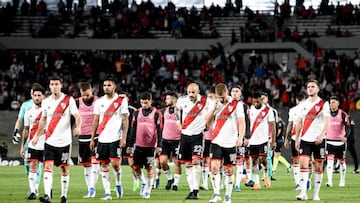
(146, 128)
(170, 142)
(86, 157)
(56, 119)
(336, 137)
(279, 144)
(268, 162)
(228, 132)
(352, 146)
(311, 127)
(262, 124)
(16, 136)
(290, 138)
(206, 152)
(111, 125)
(190, 115)
(35, 152)
(236, 93)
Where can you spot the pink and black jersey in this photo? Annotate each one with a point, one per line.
(87, 116)
(171, 130)
(336, 131)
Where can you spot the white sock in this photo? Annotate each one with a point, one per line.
(149, 181)
(296, 172)
(196, 176)
(177, 179)
(95, 170)
(32, 180)
(48, 181)
(205, 175)
(229, 184)
(342, 172)
(239, 173)
(329, 170)
(157, 173)
(189, 177)
(168, 174)
(65, 180)
(106, 181)
(317, 182)
(215, 182)
(304, 176)
(256, 174)
(87, 176)
(118, 175)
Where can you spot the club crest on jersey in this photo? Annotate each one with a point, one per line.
(230, 108)
(317, 108)
(199, 106)
(263, 113)
(63, 105)
(116, 104)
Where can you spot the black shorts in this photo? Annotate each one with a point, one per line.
(85, 154)
(190, 146)
(60, 155)
(206, 152)
(108, 151)
(170, 148)
(35, 155)
(294, 151)
(310, 148)
(130, 155)
(338, 151)
(279, 144)
(258, 150)
(144, 157)
(228, 155)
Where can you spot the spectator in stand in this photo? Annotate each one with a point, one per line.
(24, 10)
(295, 35)
(338, 32)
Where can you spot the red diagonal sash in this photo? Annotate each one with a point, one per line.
(311, 115)
(35, 125)
(196, 109)
(262, 114)
(222, 118)
(114, 106)
(57, 114)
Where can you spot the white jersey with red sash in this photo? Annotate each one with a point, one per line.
(259, 124)
(193, 114)
(312, 114)
(58, 119)
(110, 120)
(293, 116)
(225, 129)
(31, 119)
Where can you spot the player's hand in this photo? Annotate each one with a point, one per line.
(35, 140)
(286, 144)
(344, 140)
(76, 132)
(16, 137)
(178, 124)
(92, 145)
(297, 145)
(319, 139)
(122, 143)
(272, 145)
(129, 150)
(239, 142)
(246, 142)
(22, 152)
(158, 150)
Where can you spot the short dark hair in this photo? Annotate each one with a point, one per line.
(85, 86)
(256, 95)
(38, 88)
(54, 77)
(172, 94)
(335, 98)
(110, 79)
(237, 86)
(146, 96)
(264, 94)
(300, 96)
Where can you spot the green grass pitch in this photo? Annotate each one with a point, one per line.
(14, 187)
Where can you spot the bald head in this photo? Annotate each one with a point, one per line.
(193, 91)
